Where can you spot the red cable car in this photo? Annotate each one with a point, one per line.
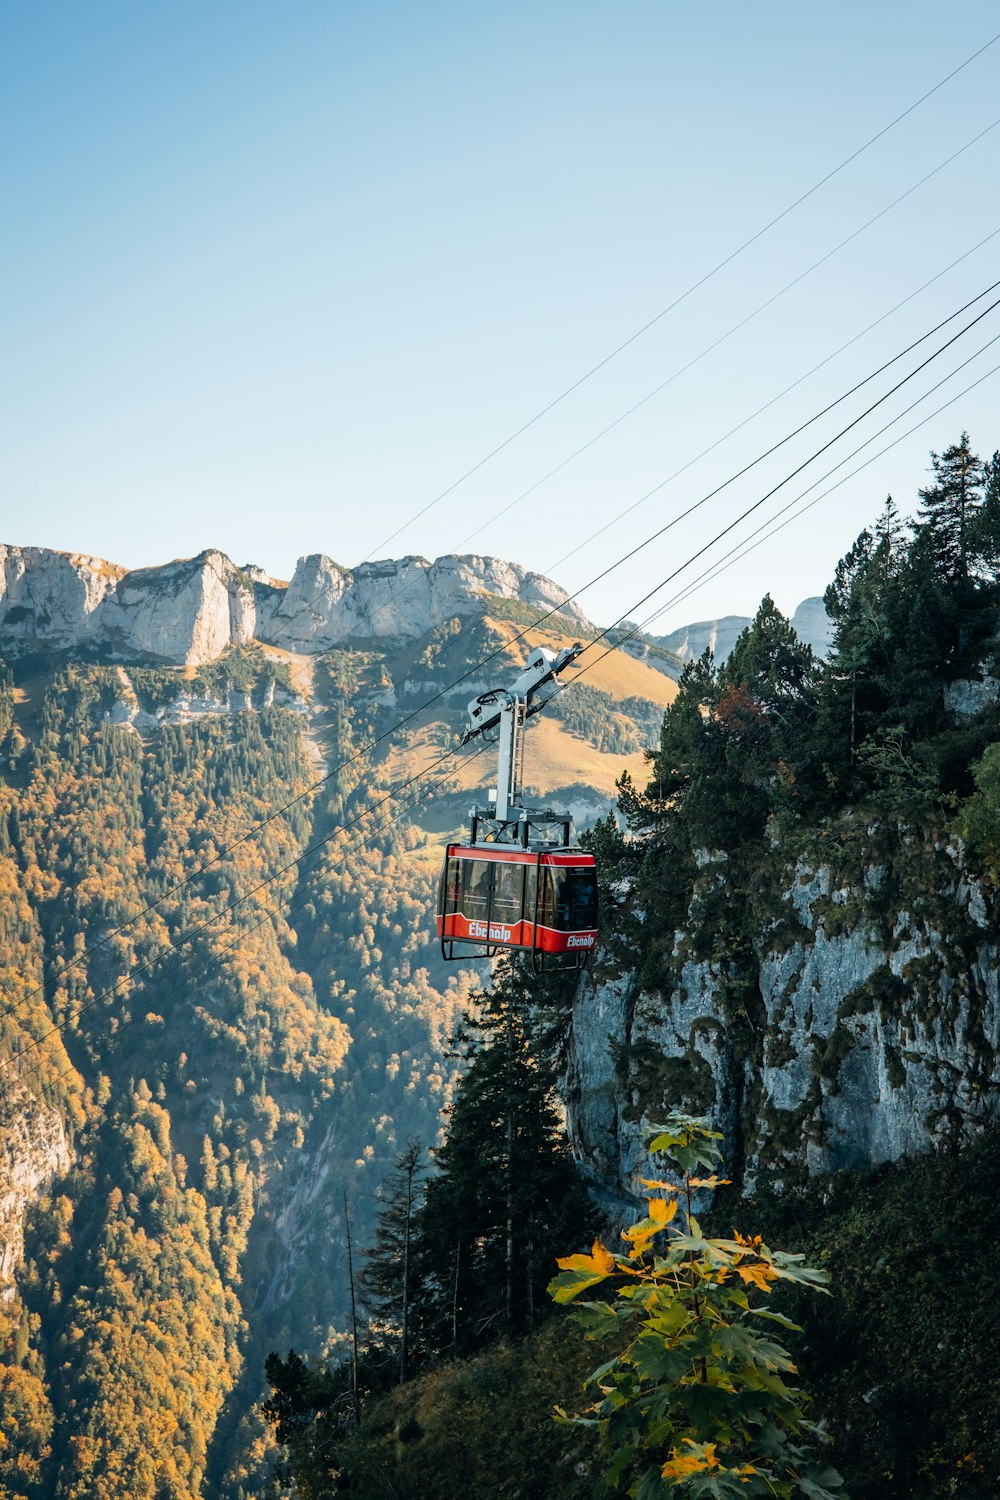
(513, 891)
(542, 901)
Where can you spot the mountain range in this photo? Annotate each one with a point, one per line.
(189, 611)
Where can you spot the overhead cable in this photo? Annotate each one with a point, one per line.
(372, 744)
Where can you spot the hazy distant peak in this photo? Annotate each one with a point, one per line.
(810, 621)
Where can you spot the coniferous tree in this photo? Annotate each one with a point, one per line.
(859, 681)
(986, 528)
(731, 739)
(388, 1278)
(950, 507)
(506, 1188)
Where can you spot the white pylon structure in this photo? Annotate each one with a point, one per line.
(508, 710)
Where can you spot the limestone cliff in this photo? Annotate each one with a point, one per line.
(33, 1151)
(865, 1027)
(325, 604)
(188, 612)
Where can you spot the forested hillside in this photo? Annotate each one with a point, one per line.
(205, 1059)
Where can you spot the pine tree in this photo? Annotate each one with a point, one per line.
(388, 1279)
(986, 531)
(506, 1187)
(859, 680)
(770, 661)
(950, 507)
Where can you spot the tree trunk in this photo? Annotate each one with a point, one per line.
(404, 1340)
(509, 1258)
(354, 1319)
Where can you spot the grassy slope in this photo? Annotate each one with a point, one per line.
(554, 757)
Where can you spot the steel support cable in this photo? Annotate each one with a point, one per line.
(587, 666)
(702, 280)
(398, 593)
(677, 373)
(373, 744)
(768, 529)
(240, 932)
(609, 525)
(616, 645)
(924, 396)
(774, 488)
(538, 483)
(722, 339)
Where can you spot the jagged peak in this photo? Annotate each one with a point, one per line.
(189, 610)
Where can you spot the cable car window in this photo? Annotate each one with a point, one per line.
(546, 899)
(507, 882)
(582, 898)
(529, 892)
(563, 917)
(575, 900)
(453, 886)
(476, 887)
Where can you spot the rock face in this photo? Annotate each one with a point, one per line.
(861, 1045)
(717, 636)
(813, 625)
(187, 613)
(51, 597)
(33, 1151)
(811, 622)
(184, 613)
(325, 604)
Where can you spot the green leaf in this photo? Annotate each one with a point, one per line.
(569, 1284)
(654, 1360)
(819, 1484)
(652, 1487)
(597, 1319)
(596, 1376)
(773, 1317)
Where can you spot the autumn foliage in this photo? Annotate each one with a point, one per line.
(699, 1398)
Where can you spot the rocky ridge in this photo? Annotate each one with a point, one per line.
(188, 612)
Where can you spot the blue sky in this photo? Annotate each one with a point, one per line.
(275, 276)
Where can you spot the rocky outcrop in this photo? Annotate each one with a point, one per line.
(326, 604)
(185, 613)
(810, 620)
(51, 598)
(862, 1044)
(813, 625)
(717, 636)
(33, 1151)
(188, 612)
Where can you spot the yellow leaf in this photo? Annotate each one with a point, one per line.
(661, 1212)
(700, 1459)
(679, 1468)
(710, 1182)
(664, 1187)
(599, 1259)
(758, 1275)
